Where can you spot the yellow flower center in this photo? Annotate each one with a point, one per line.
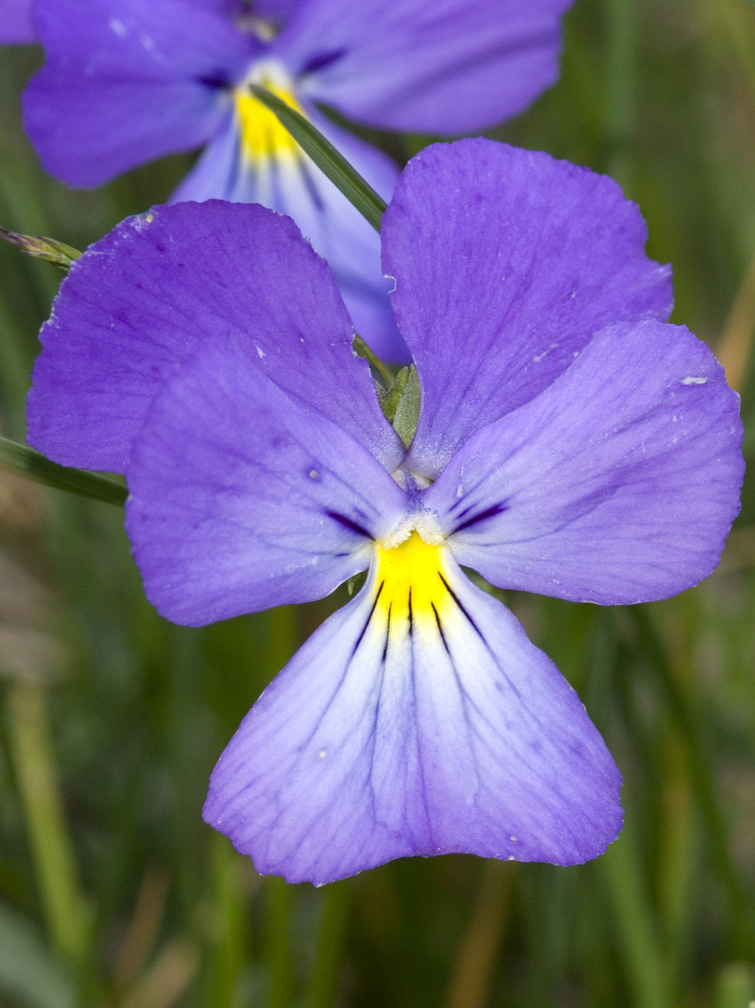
(262, 135)
(410, 582)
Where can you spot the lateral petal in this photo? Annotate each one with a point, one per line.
(506, 262)
(242, 499)
(127, 81)
(617, 484)
(145, 296)
(415, 724)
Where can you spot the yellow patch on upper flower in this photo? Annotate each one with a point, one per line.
(409, 580)
(262, 135)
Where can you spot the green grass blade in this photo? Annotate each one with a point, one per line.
(52, 847)
(27, 462)
(326, 157)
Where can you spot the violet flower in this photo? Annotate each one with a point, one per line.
(127, 81)
(569, 442)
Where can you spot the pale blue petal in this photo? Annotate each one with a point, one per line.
(399, 730)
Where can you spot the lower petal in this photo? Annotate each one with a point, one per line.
(418, 720)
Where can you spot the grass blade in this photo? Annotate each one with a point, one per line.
(24, 461)
(326, 157)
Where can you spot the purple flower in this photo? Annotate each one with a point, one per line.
(16, 25)
(569, 442)
(126, 81)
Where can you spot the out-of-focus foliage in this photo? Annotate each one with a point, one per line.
(113, 892)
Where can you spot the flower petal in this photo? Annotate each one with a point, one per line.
(617, 484)
(16, 24)
(422, 723)
(295, 186)
(126, 81)
(276, 11)
(144, 297)
(242, 499)
(434, 66)
(506, 262)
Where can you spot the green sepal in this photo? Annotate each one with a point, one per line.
(400, 403)
(56, 252)
(389, 398)
(25, 461)
(407, 411)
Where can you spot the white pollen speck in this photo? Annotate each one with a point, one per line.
(536, 360)
(260, 352)
(314, 474)
(511, 858)
(513, 839)
(118, 27)
(322, 753)
(694, 381)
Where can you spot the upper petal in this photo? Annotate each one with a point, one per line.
(617, 484)
(126, 81)
(506, 262)
(417, 720)
(434, 66)
(241, 498)
(141, 299)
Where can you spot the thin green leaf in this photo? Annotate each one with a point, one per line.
(326, 157)
(56, 252)
(24, 461)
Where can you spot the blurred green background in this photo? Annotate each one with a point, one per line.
(112, 890)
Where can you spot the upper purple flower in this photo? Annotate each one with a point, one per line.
(16, 25)
(126, 81)
(569, 442)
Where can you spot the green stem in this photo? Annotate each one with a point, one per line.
(620, 90)
(363, 350)
(690, 721)
(24, 461)
(50, 842)
(323, 988)
(279, 958)
(326, 157)
(624, 879)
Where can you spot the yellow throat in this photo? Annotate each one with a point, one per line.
(410, 582)
(262, 136)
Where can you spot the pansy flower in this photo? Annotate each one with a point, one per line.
(569, 442)
(127, 81)
(16, 25)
